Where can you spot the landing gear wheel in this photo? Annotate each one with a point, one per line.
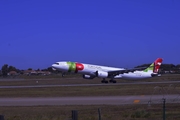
(104, 81)
(110, 81)
(114, 81)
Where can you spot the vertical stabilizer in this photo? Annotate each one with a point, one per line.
(157, 65)
(154, 67)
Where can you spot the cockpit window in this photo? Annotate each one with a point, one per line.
(56, 63)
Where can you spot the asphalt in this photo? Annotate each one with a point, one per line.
(86, 100)
(99, 100)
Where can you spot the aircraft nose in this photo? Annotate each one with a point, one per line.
(55, 65)
(60, 66)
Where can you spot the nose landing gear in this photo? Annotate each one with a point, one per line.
(112, 81)
(104, 81)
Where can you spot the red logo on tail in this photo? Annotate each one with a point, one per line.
(157, 65)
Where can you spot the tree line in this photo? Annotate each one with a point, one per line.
(165, 68)
(5, 69)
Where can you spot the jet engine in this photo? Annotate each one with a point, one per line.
(101, 74)
(88, 77)
(154, 74)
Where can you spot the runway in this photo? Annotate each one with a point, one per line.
(86, 100)
(103, 84)
(99, 100)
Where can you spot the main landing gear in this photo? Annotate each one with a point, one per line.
(112, 81)
(105, 81)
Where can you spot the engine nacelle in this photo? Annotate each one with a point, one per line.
(154, 74)
(102, 74)
(88, 77)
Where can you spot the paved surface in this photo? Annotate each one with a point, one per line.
(99, 100)
(94, 100)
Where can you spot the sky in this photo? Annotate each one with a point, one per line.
(120, 33)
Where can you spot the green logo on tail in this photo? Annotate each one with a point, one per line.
(150, 68)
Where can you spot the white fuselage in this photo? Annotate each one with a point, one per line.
(89, 69)
(135, 75)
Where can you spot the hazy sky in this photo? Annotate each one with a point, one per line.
(122, 33)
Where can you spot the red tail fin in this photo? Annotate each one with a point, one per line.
(157, 65)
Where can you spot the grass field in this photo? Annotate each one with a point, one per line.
(91, 91)
(110, 90)
(108, 112)
(75, 79)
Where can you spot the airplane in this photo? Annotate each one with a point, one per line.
(90, 71)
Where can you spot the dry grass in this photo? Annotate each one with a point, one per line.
(108, 112)
(76, 79)
(111, 90)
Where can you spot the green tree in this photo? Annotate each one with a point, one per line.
(167, 67)
(50, 69)
(4, 70)
(12, 68)
(143, 65)
(29, 68)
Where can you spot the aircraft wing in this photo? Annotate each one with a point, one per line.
(114, 73)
